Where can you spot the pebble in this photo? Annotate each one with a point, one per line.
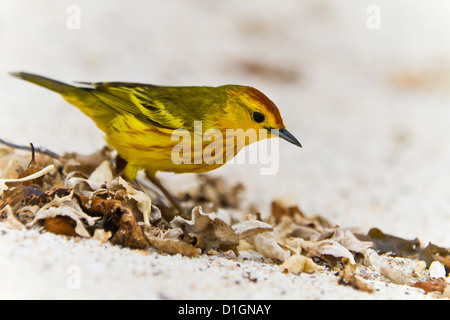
(437, 270)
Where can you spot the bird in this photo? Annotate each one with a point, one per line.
(140, 120)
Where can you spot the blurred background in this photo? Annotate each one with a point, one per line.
(364, 85)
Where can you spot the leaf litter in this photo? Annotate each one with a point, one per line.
(85, 196)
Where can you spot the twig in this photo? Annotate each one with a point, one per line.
(28, 148)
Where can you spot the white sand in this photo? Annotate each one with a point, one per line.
(371, 108)
(47, 266)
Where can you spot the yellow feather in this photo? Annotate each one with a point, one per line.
(139, 121)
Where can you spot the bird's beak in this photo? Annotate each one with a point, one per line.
(286, 135)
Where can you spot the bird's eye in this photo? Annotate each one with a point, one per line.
(258, 117)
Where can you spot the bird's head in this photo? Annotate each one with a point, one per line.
(249, 108)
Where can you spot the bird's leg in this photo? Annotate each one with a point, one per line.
(172, 199)
(129, 171)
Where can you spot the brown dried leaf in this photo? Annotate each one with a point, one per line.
(133, 198)
(297, 264)
(85, 163)
(98, 181)
(304, 232)
(60, 225)
(432, 286)
(11, 163)
(384, 243)
(435, 253)
(347, 239)
(171, 242)
(19, 195)
(325, 248)
(308, 228)
(216, 191)
(216, 232)
(348, 277)
(129, 233)
(102, 206)
(352, 243)
(66, 206)
(279, 210)
(267, 245)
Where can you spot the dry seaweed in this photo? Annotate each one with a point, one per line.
(217, 233)
(129, 233)
(395, 246)
(435, 253)
(87, 197)
(173, 241)
(348, 277)
(297, 264)
(432, 286)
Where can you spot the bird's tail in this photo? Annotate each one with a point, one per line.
(54, 85)
(81, 97)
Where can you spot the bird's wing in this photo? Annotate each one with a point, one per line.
(136, 99)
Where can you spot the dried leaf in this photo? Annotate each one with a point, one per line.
(101, 181)
(384, 243)
(352, 243)
(333, 248)
(267, 245)
(4, 182)
(327, 247)
(435, 253)
(297, 264)
(171, 243)
(431, 286)
(122, 190)
(11, 163)
(304, 232)
(103, 207)
(102, 174)
(215, 190)
(247, 229)
(85, 163)
(279, 210)
(81, 185)
(66, 206)
(7, 216)
(60, 225)
(129, 233)
(26, 214)
(216, 232)
(19, 195)
(348, 277)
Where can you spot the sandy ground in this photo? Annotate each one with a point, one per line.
(46, 266)
(369, 106)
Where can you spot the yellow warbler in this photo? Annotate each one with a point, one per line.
(140, 120)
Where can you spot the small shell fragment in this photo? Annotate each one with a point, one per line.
(437, 270)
